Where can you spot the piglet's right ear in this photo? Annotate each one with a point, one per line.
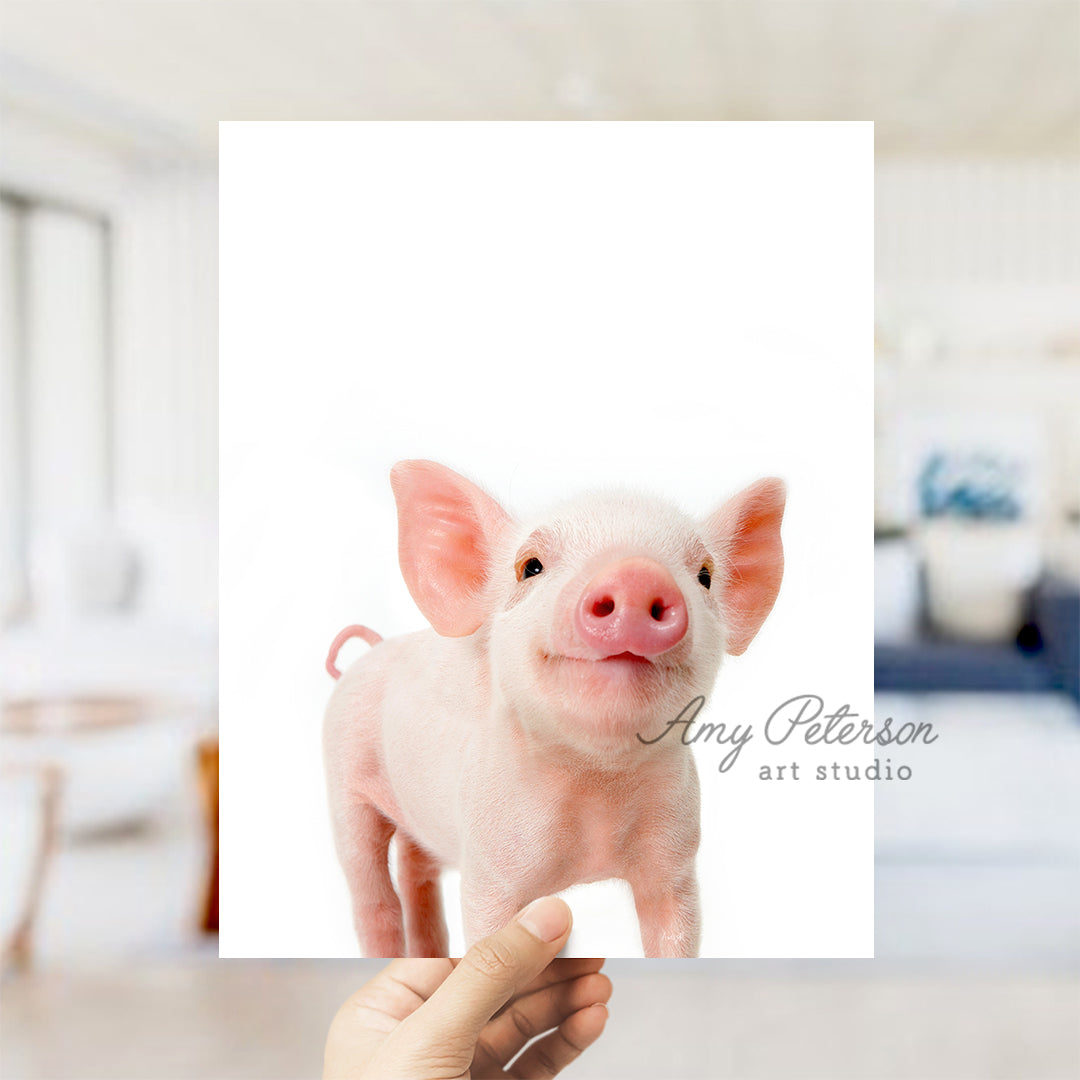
(447, 528)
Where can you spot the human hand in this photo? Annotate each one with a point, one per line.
(445, 1019)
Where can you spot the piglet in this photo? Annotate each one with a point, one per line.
(513, 739)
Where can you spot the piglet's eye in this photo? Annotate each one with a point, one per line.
(705, 577)
(531, 568)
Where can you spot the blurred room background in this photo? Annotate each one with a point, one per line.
(108, 496)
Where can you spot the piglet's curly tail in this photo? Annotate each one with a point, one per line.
(335, 646)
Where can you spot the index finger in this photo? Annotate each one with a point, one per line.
(561, 969)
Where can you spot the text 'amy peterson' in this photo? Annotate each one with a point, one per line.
(803, 715)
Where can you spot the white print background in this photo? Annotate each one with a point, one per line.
(682, 307)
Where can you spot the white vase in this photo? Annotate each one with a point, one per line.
(977, 575)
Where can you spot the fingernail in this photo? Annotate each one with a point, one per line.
(547, 918)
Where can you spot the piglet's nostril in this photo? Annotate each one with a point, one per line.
(657, 610)
(603, 608)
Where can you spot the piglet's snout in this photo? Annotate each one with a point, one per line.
(632, 606)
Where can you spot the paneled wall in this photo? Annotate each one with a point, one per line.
(982, 254)
(166, 382)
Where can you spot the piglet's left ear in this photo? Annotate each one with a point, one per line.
(745, 533)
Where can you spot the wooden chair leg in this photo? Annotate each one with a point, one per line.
(208, 786)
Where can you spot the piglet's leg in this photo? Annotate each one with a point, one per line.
(418, 882)
(669, 913)
(363, 842)
(485, 909)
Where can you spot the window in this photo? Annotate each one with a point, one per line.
(56, 413)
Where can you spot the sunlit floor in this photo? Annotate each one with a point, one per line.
(978, 854)
(239, 1019)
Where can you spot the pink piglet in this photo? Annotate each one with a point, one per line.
(504, 741)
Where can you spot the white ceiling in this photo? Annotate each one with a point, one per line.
(947, 77)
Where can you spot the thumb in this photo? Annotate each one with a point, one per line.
(491, 973)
